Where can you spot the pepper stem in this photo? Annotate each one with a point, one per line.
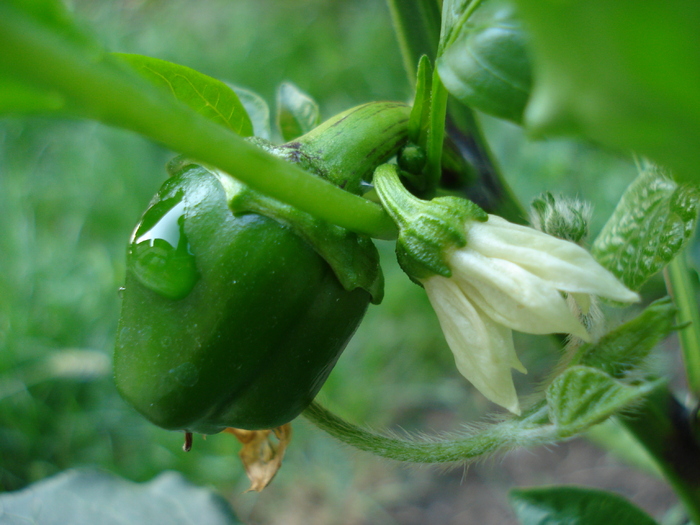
(398, 202)
(346, 148)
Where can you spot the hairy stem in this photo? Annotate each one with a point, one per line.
(522, 431)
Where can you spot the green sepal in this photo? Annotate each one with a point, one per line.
(353, 258)
(653, 221)
(429, 234)
(428, 230)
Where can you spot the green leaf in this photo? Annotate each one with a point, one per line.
(297, 112)
(574, 506)
(651, 224)
(626, 347)
(90, 497)
(581, 397)
(207, 96)
(454, 13)
(614, 438)
(623, 73)
(417, 29)
(257, 109)
(487, 67)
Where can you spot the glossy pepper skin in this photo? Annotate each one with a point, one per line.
(227, 320)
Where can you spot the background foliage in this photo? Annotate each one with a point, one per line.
(70, 193)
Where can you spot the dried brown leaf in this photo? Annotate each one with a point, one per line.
(262, 453)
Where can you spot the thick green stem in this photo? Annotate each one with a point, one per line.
(682, 289)
(109, 93)
(350, 145)
(662, 426)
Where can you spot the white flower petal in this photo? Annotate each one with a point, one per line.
(483, 350)
(564, 264)
(513, 296)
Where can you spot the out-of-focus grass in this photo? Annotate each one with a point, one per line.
(70, 193)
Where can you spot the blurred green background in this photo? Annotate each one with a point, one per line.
(70, 193)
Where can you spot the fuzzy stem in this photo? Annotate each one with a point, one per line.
(516, 432)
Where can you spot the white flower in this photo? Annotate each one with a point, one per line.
(510, 277)
(486, 277)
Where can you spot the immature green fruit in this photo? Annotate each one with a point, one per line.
(227, 320)
(237, 306)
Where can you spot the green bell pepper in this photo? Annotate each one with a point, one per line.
(236, 307)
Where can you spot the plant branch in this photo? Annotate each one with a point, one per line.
(681, 287)
(106, 91)
(525, 430)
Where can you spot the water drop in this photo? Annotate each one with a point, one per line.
(159, 254)
(120, 292)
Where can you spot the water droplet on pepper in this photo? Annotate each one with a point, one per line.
(159, 253)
